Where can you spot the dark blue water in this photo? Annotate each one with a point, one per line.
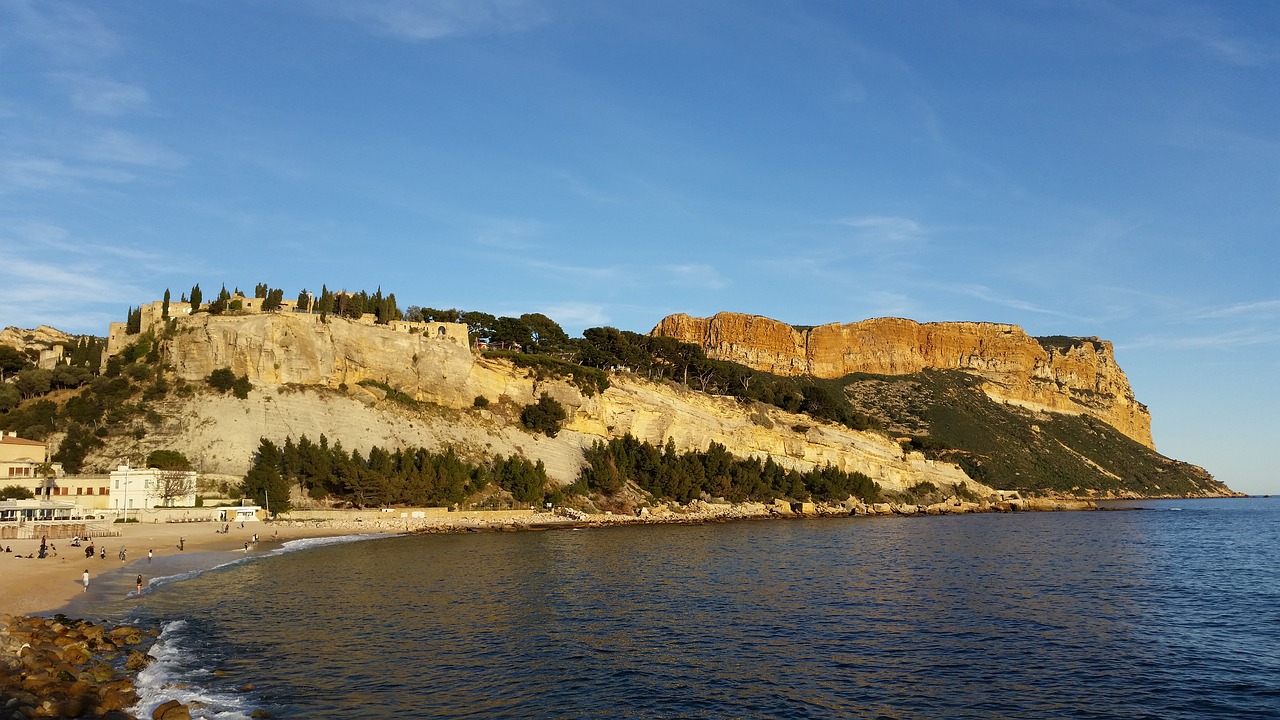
(1158, 613)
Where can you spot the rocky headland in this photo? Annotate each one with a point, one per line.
(1059, 374)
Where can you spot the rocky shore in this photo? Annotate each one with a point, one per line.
(696, 511)
(63, 668)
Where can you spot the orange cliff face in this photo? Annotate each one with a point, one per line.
(1077, 377)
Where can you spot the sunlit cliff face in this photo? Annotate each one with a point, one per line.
(1077, 376)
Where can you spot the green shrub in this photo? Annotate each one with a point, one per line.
(480, 402)
(168, 460)
(545, 416)
(15, 492)
(222, 379)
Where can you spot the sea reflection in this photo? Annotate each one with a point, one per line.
(1034, 615)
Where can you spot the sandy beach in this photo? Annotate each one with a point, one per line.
(33, 586)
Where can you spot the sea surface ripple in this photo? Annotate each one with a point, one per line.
(1170, 612)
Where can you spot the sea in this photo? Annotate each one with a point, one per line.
(1149, 609)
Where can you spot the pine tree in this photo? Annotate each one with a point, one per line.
(164, 309)
(196, 297)
(264, 480)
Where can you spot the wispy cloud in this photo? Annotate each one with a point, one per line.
(586, 190)
(27, 291)
(1231, 339)
(576, 272)
(113, 146)
(696, 275)
(103, 96)
(881, 303)
(885, 231)
(66, 32)
(508, 233)
(47, 173)
(577, 315)
(986, 294)
(1266, 308)
(44, 239)
(1200, 26)
(436, 19)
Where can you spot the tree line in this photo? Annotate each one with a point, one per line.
(421, 477)
(683, 476)
(406, 476)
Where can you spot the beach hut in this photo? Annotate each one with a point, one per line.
(240, 513)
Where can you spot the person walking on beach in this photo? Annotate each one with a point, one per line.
(139, 585)
(122, 552)
(181, 541)
(103, 555)
(85, 579)
(148, 556)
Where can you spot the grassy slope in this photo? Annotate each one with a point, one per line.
(1009, 447)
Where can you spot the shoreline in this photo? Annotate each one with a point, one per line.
(112, 581)
(53, 585)
(44, 587)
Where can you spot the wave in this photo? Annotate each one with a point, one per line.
(185, 662)
(183, 669)
(289, 546)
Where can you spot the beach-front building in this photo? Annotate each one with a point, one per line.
(20, 460)
(23, 511)
(132, 491)
(91, 492)
(240, 513)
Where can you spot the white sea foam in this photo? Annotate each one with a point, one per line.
(179, 671)
(183, 668)
(286, 547)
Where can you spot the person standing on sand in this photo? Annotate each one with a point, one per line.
(85, 579)
(181, 541)
(104, 552)
(148, 556)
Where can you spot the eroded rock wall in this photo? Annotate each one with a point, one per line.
(1077, 377)
(299, 349)
(294, 362)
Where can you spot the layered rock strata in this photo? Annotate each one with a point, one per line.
(283, 352)
(1069, 375)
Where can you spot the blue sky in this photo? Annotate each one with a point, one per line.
(1077, 168)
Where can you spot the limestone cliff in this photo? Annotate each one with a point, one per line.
(1064, 375)
(305, 375)
(45, 344)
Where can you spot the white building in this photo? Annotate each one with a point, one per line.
(239, 513)
(21, 511)
(137, 489)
